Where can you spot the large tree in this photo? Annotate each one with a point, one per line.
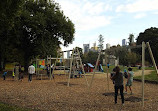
(9, 10)
(40, 29)
(131, 39)
(149, 35)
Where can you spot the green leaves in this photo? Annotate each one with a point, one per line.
(36, 28)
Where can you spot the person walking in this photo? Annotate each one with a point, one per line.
(118, 78)
(31, 70)
(129, 80)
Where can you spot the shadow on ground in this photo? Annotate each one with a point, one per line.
(134, 99)
(109, 94)
(65, 83)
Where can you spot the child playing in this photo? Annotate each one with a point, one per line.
(4, 74)
(129, 80)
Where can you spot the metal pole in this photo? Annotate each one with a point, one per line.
(152, 57)
(143, 68)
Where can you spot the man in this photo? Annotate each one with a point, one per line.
(31, 70)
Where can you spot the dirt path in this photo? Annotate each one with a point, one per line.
(104, 75)
(139, 72)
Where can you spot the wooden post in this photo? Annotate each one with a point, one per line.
(95, 69)
(16, 72)
(143, 67)
(50, 74)
(82, 68)
(107, 71)
(68, 84)
(152, 57)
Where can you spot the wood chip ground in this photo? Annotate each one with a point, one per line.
(50, 95)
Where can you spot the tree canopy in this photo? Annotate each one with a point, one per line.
(149, 35)
(101, 41)
(39, 30)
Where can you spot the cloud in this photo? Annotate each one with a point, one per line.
(86, 15)
(138, 16)
(139, 6)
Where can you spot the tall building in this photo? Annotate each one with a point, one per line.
(85, 48)
(107, 46)
(124, 43)
(68, 54)
(94, 48)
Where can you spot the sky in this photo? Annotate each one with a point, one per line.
(114, 19)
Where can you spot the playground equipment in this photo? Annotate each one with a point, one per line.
(75, 64)
(61, 59)
(39, 67)
(143, 46)
(76, 61)
(143, 65)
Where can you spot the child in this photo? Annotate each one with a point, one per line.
(129, 80)
(112, 74)
(4, 74)
(125, 73)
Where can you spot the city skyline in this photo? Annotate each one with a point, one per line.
(115, 20)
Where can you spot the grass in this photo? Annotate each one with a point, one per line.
(121, 67)
(151, 77)
(7, 107)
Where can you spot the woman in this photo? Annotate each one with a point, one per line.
(129, 80)
(118, 78)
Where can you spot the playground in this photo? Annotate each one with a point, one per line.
(55, 95)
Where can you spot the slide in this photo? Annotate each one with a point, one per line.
(101, 67)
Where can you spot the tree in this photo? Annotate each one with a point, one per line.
(132, 58)
(90, 57)
(9, 10)
(149, 35)
(131, 39)
(101, 41)
(40, 29)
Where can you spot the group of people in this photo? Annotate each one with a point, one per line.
(16, 72)
(31, 70)
(117, 77)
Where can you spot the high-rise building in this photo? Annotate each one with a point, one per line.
(68, 54)
(124, 43)
(85, 48)
(107, 46)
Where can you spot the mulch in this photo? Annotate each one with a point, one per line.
(54, 95)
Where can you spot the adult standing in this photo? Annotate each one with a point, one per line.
(118, 78)
(20, 73)
(129, 80)
(31, 70)
(48, 70)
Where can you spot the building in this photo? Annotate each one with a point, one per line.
(68, 54)
(85, 48)
(107, 46)
(124, 43)
(94, 48)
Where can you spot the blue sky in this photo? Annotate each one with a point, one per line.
(114, 19)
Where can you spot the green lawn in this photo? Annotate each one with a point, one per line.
(121, 67)
(7, 107)
(151, 77)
